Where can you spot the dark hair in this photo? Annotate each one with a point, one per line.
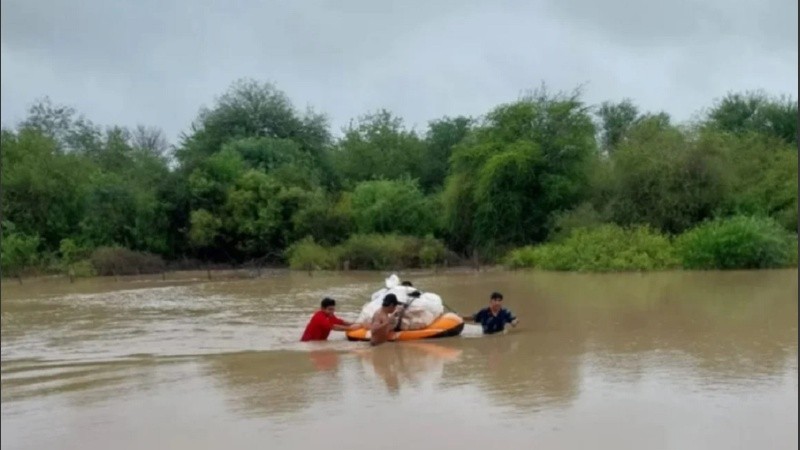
(406, 283)
(390, 300)
(327, 301)
(496, 295)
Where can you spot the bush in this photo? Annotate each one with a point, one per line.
(667, 178)
(376, 251)
(599, 249)
(582, 216)
(121, 261)
(392, 206)
(18, 252)
(369, 252)
(308, 255)
(741, 242)
(82, 268)
(431, 252)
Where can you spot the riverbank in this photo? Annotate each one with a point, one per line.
(739, 242)
(232, 273)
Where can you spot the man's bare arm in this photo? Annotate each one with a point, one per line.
(349, 327)
(380, 322)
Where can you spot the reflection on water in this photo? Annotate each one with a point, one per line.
(527, 373)
(407, 363)
(275, 383)
(665, 360)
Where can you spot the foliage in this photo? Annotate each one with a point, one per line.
(121, 261)
(603, 248)
(756, 112)
(582, 216)
(667, 178)
(527, 161)
(741, 242)
(385, 206)
(250, 109)
(326, 217)
(615, 122)
(765, 179)
(378, 147)
(17, 252)
(369, 252)
(256, 179)
(306, 254)
(442, 137)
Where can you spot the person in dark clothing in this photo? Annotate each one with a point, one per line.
(493, 319)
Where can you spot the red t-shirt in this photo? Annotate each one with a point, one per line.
(320, 326)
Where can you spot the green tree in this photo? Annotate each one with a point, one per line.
(42, 187)
(668, 178)
(527, 161)
(255, 110)
(17, 251)
(378, 147)
(392, 206)
(442, 136)
(756, 112)
(615, 121)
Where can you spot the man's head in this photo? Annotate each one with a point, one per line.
(328, 305)
(496, 301)
(390, 303)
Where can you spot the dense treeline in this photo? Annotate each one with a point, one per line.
(254, 179)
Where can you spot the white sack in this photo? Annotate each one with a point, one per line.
(422, 311)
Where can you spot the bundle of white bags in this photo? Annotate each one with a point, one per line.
(421, 311)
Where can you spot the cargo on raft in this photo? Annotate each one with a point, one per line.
(423, 318)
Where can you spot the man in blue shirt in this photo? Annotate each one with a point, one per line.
(493, 318)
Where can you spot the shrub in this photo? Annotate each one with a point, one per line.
(376, 251)
(668, 178)
(740, 242)
(306, 254)
(121, 261)
(431, 252)
(82, 268)
(18, 252)
(392, 206)
(599, 249)
(582, 216)
(369, 252)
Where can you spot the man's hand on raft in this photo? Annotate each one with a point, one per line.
(350, 327)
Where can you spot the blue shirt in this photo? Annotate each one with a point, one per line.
(491, 323)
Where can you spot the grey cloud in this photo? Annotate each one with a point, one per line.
(157, 62)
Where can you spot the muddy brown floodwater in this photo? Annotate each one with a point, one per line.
(701, 360)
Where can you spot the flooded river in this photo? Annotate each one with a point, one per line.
(657, 361)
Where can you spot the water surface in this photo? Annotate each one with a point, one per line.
(659, 361)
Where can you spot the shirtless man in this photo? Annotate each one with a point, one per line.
(384, 320)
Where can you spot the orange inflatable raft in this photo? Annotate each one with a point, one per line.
(447, 325)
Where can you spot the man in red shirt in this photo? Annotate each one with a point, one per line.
(324, 320)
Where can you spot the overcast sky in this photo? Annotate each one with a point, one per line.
(155, 62)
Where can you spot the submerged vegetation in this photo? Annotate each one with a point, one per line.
(544, 181)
